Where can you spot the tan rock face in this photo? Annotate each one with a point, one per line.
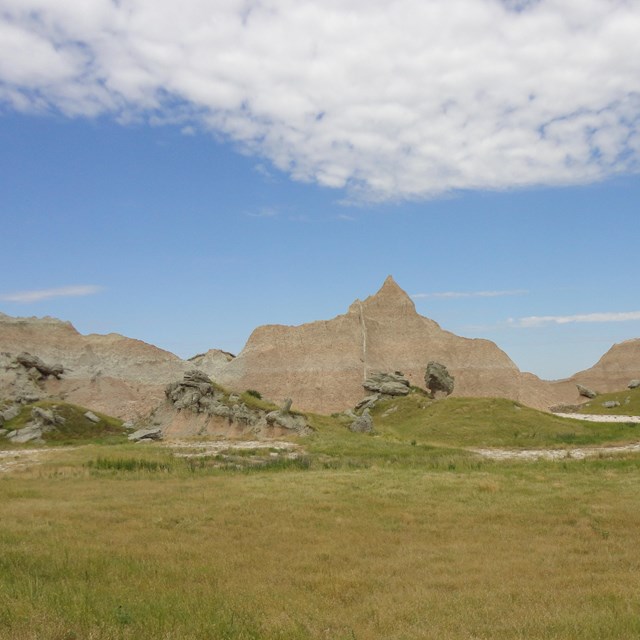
(612, 372)
(321, 365)
(117, 375)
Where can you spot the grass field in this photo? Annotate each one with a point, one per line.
(402, 535)
(629, 403)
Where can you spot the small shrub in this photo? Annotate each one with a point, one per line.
(254, 393)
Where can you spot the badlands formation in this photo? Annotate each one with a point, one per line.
(320, 365)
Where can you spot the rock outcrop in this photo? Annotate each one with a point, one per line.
(611, 373)
(388, 384)
(196, 406)
(37, 368)
(42, 421)
(438, 381)
(363, 423)
(323, 364)
(110, 373)
(585, 392)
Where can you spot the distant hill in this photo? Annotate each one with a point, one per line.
(320, 365)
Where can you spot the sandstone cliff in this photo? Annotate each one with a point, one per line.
(322, 364)
(612, 372)
(119, 376)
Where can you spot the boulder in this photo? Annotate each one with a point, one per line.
(634, 384)
(390, 384)
(146, 434)
(369, 402)
(89, 415)
(585, 391)
(31, 363)
(286, 420)
(194, 392)
(11, 412)
(610, 404)
(438, 380)
(363, 423)
(30, 433)
(44, 417)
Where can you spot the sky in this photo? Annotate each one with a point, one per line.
(184, 172)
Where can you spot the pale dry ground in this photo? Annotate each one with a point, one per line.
(599, 418)
(203, 448)
(21, 458)
(14, 460)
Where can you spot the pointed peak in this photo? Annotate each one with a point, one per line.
(391, 297)
(389, 284)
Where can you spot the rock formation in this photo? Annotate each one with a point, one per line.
(363, 423)
(323, 364)
(119, 376)
(438, 381)
(585, 392)
(197, 406)
(611, 373)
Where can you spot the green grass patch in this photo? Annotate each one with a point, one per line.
(629, 404)
(76, 428)
(491, 422)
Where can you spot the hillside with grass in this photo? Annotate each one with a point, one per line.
(628, 404)
(72, 426)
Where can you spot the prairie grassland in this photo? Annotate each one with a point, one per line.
(431, 545)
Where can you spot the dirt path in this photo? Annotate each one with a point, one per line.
(21, 458)
(593, 417)
(577, 453)
(204, 448)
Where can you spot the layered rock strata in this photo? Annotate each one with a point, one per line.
(323, 364)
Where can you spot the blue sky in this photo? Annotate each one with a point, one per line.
(161, 195)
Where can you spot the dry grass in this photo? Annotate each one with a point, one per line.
(536, 551)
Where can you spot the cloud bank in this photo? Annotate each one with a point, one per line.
(392, 100)
(46, 294)
(539, 321)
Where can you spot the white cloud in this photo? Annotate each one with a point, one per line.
(45, 294)
(401, 99)
(539, 321)
(470, 294)
(265, 212)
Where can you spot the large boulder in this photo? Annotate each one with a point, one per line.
(30, 433)
(284, 419)
(363, 423)
(146, 435)
(33, 363)
(585, 392)
(438, 380)
(390, 384)
(634, 384)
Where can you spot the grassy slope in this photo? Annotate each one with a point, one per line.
(465, 422)
(630, 407)
(76, 428)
